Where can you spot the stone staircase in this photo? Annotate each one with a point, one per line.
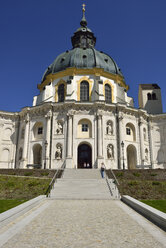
(83, 184)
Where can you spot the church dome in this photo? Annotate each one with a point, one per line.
(83, 55)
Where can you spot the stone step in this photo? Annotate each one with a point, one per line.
(82, 174)
(81, 189)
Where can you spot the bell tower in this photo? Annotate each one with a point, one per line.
(149, 98)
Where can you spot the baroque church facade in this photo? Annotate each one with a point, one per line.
(83, 117)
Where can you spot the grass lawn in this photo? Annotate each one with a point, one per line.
(16, 190)
(10, 203)
(158, 204)
(22, 187)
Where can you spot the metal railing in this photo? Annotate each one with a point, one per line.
(51, 185)
(116, 180)
(116, 183)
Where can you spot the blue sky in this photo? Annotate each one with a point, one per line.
(33, 33)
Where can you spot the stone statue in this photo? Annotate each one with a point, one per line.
(58, 154)
(60, 128)
(110, 151)
(146, 155)
(109, 128)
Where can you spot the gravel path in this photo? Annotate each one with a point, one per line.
(87, 224)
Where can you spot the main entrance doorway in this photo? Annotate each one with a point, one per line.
(84, 156)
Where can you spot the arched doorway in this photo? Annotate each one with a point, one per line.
(84, 156)
(37, 154)
(131, 157)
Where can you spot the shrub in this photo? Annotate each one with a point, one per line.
(136, 174)
(155, 183)
(44, 173)
(119, 174)
(132, 183)
(29, 173)
(32, 184)
(153, 174)
(10, 184)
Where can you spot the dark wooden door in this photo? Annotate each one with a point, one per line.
(84, 156)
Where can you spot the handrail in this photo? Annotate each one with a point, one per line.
(116, 183)
(50, 186)
(106, 177)
(116, 180)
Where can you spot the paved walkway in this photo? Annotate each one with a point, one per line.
(82, 224)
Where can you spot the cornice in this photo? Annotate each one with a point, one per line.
(9, 115)
(158, 117)
(76, 71)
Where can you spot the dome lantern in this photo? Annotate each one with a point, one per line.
(83, 37)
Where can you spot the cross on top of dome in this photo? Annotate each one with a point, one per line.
(83, 21)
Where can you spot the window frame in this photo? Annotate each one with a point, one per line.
(84, 91)
(108, 93)
(39, 130)
(128, 131)
(85, 127)
(61, 93)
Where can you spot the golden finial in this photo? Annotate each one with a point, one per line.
(83, 7)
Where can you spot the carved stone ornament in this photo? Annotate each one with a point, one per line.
(110, 151)
(58, 153)
(59, 128)
(121, 116)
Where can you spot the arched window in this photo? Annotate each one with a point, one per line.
(154, 96)
(130, 132)
(149, 96)
(84, 91)
(108, 93)
(38, 131)
(84, 129)
(61, 93)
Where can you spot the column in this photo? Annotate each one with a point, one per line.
(69, 137)
(151, 145)
(16, 136)
(25, 147)
(69, 159)
(141, 142)
(122, 135)
(100, 141)
(47, 140)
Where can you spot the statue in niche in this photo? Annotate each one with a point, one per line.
(58, 154)
(109, 128)
(110, 151)
(146, 154)
(60, 128)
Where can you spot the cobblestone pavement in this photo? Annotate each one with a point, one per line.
(86, 224)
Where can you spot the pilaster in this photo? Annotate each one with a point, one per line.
(26, 137)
